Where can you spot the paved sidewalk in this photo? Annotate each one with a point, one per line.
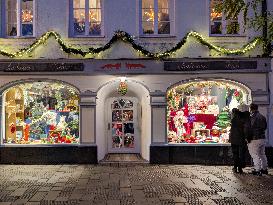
(120, 184)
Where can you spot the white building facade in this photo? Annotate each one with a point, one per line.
(83, 78)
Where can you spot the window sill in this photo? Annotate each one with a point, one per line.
(19, 37)
(157, 36)
(79, 37)
(228, 36)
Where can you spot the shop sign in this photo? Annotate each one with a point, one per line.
(118, 66)
(209, 65)
(40, 67)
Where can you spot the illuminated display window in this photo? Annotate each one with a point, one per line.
(87, 17)
(19, 18)
(199, 112)
(41, 113)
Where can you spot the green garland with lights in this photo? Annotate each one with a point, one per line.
(127, 38)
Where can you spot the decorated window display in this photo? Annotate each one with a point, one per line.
(199, 112)
(41, 113)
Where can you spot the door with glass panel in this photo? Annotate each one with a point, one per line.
(122, 126)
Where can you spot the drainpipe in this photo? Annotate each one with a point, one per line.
(266, 44)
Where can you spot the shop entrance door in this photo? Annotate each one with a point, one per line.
(123, 136)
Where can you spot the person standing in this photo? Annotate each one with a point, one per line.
(256, 145)
(237, 140)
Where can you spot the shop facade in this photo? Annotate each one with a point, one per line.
(79, 81)
(167, 111)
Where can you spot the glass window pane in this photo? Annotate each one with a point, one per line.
(128, 128)
(214, 15)
(164, 27)
(11, 5)
(233, 27)
(11, 17)
(117, 115)
(79, 21)
(41, 113)
(95, 28)
(94, 15)
(79, 4)
(163, 15)
(117, 142)
(163, 4)
(129, 141)
(27, 29)
(147, 3)
(216, 27)
(148, 27)
(128, 115)
(27, 11)
(148, 15)
(94, 3)
(11, 30)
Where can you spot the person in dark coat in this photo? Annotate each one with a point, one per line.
(238, 140)
(256, 145)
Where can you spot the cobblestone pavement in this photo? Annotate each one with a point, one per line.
(121, 184)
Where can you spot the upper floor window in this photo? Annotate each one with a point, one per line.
(87, 17)
(155, 17)
(18, 17)
(219, 25)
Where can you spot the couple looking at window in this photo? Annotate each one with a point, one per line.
(248, 130)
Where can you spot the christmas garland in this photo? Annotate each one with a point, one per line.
(127, 38)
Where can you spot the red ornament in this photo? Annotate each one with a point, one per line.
(12, 128)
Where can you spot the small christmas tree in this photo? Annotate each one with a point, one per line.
(223, 118)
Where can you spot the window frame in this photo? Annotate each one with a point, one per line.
(224, 25)
(18, 22)
(156, 34)
(71, 22)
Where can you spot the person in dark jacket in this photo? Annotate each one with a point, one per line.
(238, 140)
(256, 145)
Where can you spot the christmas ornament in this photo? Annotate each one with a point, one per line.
(123, 88)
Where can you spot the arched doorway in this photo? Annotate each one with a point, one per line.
(198, 111)
(40, 112)
(123, 122)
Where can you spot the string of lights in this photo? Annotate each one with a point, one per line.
(127, 38)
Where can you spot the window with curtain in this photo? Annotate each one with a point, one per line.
(155, 16)
(19, 18)
(87, 17)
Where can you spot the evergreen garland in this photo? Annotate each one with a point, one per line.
(125, 37)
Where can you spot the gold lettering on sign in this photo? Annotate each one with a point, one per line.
(232, 65)
(192, 66)
(18, 67)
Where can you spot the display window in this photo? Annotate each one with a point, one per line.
(199, 112)
(41, 113)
